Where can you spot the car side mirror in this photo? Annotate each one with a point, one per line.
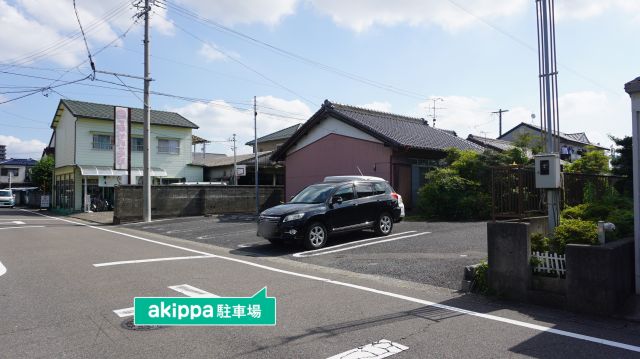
(336, 199)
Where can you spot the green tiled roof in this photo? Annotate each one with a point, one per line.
(106, 112)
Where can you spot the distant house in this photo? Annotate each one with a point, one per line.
(16, 171)
(3, 152)
(82, 144)
(491, 144)
(220, 169)
(347, 140)
(274, 140)
(572, 145)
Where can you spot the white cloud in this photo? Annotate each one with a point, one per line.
(18, 148)
(585, 9)
(595, 113)
(50, 28)
(230, 12)
(219, 120)
(382, 106)
(359, 15)
(212, 52)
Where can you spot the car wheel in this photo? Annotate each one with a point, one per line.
(384, 225)
(316, 236)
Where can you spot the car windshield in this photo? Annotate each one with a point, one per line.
(317, 193)
(5, 193)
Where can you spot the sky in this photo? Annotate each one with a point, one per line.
(209, 58)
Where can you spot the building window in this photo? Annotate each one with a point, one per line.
(137, 144)
(5, 172)
(169, 146)
(102, 142)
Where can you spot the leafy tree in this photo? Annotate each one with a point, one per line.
(593, 161)
(622, 164)
(42, 171)
(529, 141)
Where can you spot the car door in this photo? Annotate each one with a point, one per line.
(344, 215)
(367, 202)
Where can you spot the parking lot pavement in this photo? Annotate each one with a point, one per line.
(430, 253)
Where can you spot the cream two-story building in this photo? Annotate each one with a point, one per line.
(83, 144)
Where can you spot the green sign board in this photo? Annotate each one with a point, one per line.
(256, 310)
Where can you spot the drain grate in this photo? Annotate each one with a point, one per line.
(128, 324)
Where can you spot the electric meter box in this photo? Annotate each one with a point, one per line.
(547, 170)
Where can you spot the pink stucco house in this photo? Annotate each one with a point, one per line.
(347, 140)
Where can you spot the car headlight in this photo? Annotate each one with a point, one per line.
(293, 217)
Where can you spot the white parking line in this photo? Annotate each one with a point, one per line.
(186, 289)
(319, 252)
(300, 254)
(3, 269)
(13, 222)
(496, 318)
(21, 227)
(148, 260)
(191, 291)
(381, 349)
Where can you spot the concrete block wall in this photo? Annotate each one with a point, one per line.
(509, 252)
(180, 201)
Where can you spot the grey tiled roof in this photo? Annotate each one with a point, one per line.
(632, 86)
(402, 130)
(105, 112)
(393, 130)
(278, 135)
(579, 137)
(498, 145)
(18, 162)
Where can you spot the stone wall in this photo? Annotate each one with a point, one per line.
(192, 200)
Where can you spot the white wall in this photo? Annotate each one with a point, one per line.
(65, 134)
(328, 126)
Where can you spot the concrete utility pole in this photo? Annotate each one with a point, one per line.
(499, 112)
(548, 78)
(235, 166)
(255, 151)
(146, 178)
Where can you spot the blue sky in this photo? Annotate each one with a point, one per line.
(477, 55)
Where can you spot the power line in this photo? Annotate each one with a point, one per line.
(187, 13)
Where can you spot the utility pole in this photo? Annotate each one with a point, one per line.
(499, 112)
(255, 151)
(235, 168)
(433, 116)
(146, 179)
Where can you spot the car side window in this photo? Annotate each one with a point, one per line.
(345, 192)
(379, 188)
(364, 190)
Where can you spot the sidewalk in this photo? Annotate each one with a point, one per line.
(105, 217)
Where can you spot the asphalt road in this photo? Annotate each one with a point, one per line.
(430, 253)
(55, 302)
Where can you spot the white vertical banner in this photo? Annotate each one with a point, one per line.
(121, 133)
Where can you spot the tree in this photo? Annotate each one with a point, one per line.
(42, 171)
(529, 141)
(622, 164)
(593, 161)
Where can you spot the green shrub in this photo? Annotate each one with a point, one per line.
(623, 219)
(480, 279)
(449, 196)
(575, 231)
(540, 243)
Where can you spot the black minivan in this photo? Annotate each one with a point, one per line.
(339, 204)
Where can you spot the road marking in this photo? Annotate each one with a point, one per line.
(188, 290)
(13, 222)
(3, 269)
(251, 245)
(148, 260)
(191, 291)
(492, 317)
(313, 253)
(21, 227)
(350, 243)
(381, 349)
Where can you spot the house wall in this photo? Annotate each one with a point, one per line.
(328, 126)
(65, 133)
(175, 165)
(334, 155)
(269, 145)
(22, 170)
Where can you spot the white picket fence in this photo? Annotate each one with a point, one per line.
(550, 263)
